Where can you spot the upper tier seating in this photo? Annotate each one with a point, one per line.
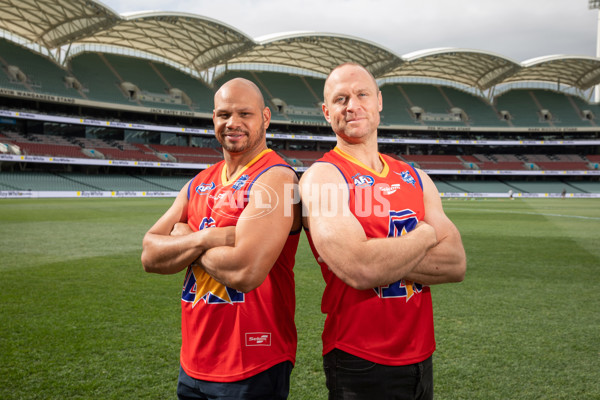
(292, 98)
(41, 75)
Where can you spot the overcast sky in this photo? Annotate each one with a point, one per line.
(518, 29)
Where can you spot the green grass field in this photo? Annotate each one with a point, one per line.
(80, 319)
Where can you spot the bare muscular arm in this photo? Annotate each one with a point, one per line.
(260, 233)
(340, 239)
(163, 253)
(446, 261)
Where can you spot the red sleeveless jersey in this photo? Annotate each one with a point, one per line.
(228, 335)
(392, 324)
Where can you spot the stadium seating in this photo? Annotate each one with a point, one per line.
(561, 166)
(114, 182)
(585, 187)
(39, 181)
(136, 71)
(153, 86)
(101, 75)
(396, 107)
(289, 97)
(42, 75)
(44, 145)
(564, 110)
(44, 181)
(462, 186)
(427, 97)
(190, 154)
(543, 187)
(434, 161)
(170, 183)
(200, 94)
(294, 101)
(479, 112)
(99, 81)
(287, 87)
(522, 108)
(526, 105)
(302, 158)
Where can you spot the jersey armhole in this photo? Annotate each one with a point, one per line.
(189, 188)
(268, 168)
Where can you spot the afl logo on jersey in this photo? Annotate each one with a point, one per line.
(204, 187)
(363, 180)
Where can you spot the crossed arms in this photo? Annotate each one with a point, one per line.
(239, 257)
(431, 253)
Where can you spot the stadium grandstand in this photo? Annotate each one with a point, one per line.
(95, 103)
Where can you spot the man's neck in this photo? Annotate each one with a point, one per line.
(365, 152)
(236, 161)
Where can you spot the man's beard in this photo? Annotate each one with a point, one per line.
(249, 143)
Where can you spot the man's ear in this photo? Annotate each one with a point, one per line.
(266, 116)
(326, 112)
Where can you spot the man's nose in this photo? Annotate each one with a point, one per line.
(352, 103)
(233, 121)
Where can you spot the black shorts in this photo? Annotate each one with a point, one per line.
(351, 377)
(274, 383)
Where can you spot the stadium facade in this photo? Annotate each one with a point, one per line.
(94, 103)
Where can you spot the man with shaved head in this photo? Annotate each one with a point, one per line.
(377, 228)
(234, 228)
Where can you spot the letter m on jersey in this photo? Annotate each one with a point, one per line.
(402, 222)
(206, 223)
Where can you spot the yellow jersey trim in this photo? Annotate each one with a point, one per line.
(226, 182)
(382, 174)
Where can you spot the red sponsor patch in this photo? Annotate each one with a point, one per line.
(258, 339)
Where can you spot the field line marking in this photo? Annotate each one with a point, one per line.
(523, 212)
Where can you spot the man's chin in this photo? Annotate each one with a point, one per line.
(353, 134)
(235, 147)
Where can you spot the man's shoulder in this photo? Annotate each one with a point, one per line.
(207, 175)
(322, 171)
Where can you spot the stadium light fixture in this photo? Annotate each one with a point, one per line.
(594, 4)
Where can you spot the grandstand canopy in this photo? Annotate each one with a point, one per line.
(579, 72)
(200, 44)
(469, 67)
(319, 52)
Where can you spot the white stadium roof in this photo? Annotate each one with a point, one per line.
(198, 43)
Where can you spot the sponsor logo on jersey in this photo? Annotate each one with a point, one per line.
(258, 339)
(203, 188)
(363, 180)
(391, 189)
